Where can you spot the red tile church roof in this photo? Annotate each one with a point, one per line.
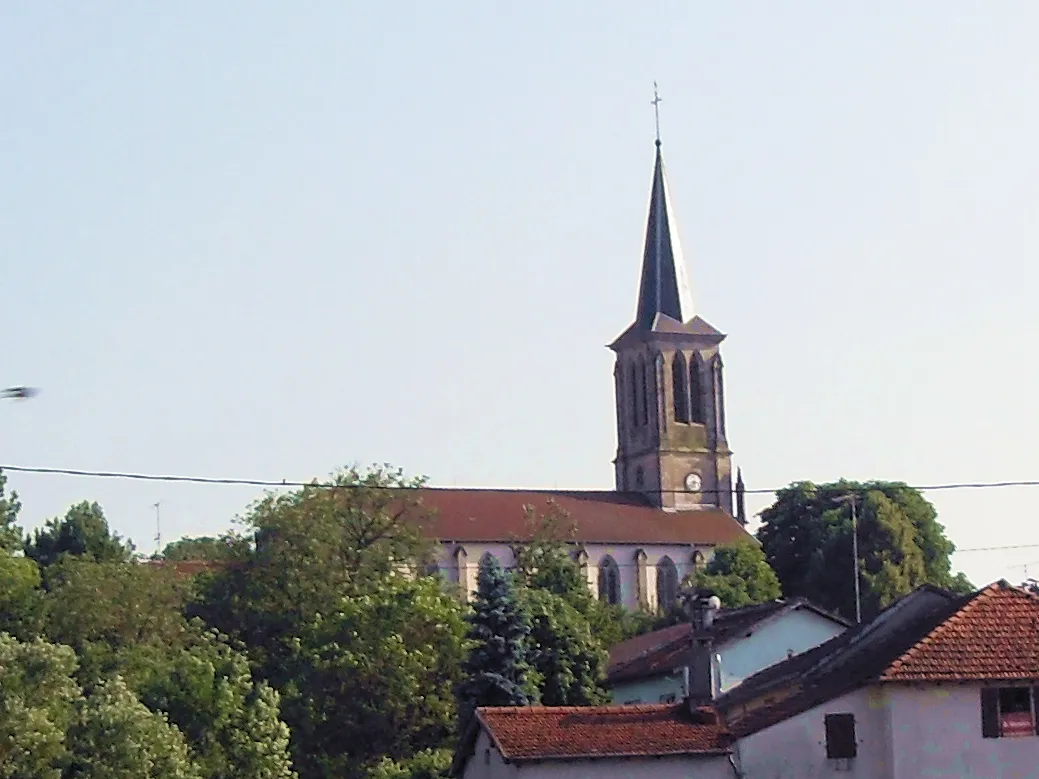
(487, 515)
(568, 733)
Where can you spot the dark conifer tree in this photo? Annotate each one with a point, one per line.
(496, 669)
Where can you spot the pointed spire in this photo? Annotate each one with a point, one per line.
(741, 509)
(663, 289)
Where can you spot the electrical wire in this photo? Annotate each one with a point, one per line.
(287, 483)
(129, 475)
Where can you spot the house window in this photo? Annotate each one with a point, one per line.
(1008, 712)
(840, 736)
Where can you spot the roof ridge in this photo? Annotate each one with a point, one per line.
(607, 709)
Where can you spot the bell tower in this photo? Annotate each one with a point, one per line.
(668, 378)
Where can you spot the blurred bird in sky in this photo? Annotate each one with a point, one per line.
(19, 393)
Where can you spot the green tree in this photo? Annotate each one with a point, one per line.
(496, 670)
(101, 609)
(10, 533)
(545, 561)
(806, 536)
(37, 705)
(204, 548)
(739, 575)
(302, 552)
(231, 722)
(427, 764)
(83, 532)
(364, 660)
(568, 656)
(569, 662)
(20, 596)
(118, 737)
(376, 676)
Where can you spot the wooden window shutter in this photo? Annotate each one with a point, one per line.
(989, 712)
(840, 736)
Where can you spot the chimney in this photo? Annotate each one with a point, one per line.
(701, 672)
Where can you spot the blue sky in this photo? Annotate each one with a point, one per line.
(239, 239)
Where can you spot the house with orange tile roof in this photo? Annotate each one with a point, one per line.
(607, 742)
(674, 499)
(936, 685)
(648, 668)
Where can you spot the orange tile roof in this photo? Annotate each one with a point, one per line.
(569, 733)
(599, 517)
(994, 636)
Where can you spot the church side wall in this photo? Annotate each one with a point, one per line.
(625, 555)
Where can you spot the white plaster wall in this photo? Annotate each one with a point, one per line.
(768, 644)
(771, 641)
(796, 748)
(624, 554)
(655, 689)
(486, 763)
(936, 732)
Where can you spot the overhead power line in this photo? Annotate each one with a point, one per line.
(287, 483)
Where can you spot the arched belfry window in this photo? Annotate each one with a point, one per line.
(695, 390)
(679, 389)
(719, 394)
(609, 581)
(633, 393)
(644, 408)
(667, 584)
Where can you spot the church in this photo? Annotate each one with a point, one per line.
(674, 499)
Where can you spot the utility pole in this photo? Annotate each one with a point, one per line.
(158, 528)
(854, 552)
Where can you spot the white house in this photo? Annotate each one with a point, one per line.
(936, 686)
(609, 742)
(648, 668)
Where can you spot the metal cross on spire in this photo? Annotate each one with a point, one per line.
(656, 109)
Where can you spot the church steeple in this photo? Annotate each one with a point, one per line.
(671, 441)
(664, 288)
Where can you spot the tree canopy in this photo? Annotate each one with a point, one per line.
(207, 548)
(806, 536)
(739, 575)
(82, 532)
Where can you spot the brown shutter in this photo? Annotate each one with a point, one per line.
(840, 736)
(989, 712)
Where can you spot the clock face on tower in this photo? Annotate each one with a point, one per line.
(692, 482)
